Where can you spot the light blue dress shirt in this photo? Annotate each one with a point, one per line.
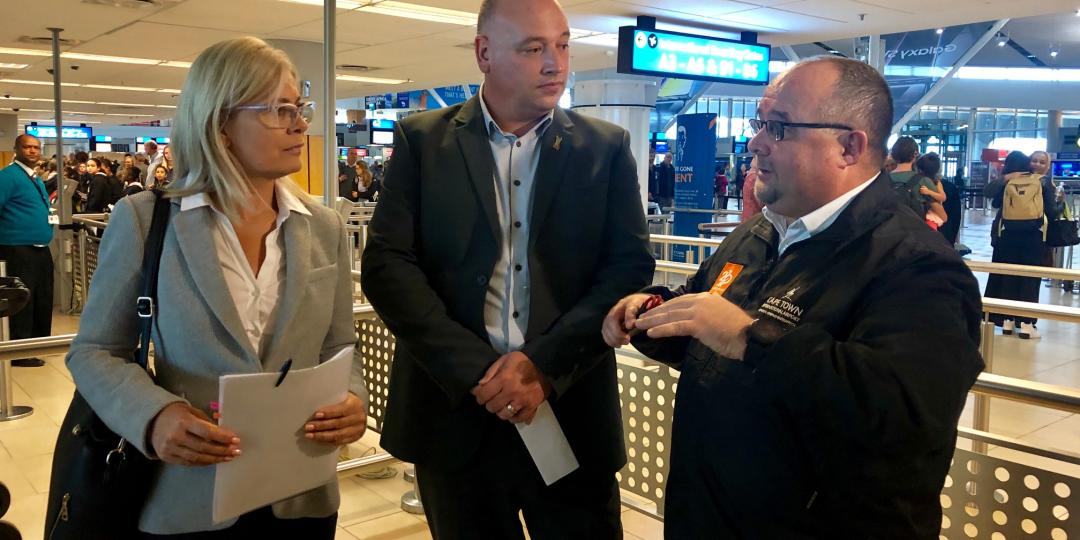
(808, 226)
(506, 305)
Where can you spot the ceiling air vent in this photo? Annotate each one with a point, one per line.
(47, 40)
(132, 4)
(354, 67)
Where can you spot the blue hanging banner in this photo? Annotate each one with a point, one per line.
(695, 156)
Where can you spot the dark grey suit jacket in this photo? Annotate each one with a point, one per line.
(433, 245)
(199, 337)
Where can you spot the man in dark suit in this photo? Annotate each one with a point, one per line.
(505, 230)
(347, 176)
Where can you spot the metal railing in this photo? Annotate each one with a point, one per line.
(56, 345)
(647, 391)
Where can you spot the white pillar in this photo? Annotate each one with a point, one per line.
(1054, 138)
(627, 103)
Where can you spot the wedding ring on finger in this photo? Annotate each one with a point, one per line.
(510, 408)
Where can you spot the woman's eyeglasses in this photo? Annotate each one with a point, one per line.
(282, 115)
(776, 127)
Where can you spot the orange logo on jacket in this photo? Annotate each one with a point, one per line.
(726, 277)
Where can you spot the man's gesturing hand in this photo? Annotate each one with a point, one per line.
(512, 388)
(620, 320)
(709, 318)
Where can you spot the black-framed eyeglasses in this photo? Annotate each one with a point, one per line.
(282, 115)
(776, 127)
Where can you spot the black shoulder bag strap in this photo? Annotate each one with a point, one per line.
(147, 302)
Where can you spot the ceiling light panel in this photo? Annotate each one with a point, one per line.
(112, 87)
(418, 12)
(68, 55)
(371, 80)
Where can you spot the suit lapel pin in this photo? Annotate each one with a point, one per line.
(558, 142)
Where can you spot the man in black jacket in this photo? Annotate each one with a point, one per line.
(506, 229)
(826, 348)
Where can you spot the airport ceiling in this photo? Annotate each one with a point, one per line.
(169, 34)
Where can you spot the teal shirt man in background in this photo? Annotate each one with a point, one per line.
(25, 234)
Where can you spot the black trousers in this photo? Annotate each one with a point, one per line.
(1016, 247)
(34, 266)
(483, 499)
(262, 523)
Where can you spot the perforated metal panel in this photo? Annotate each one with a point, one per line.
(647, 396)
(988, 497)
(376, 352)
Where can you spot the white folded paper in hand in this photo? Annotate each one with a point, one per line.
(547, 444)
(278, 461)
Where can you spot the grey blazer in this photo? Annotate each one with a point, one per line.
(199, 336)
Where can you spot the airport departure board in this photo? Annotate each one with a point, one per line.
(646, 51)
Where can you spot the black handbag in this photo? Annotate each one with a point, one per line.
(100, 481)
(1062, 232)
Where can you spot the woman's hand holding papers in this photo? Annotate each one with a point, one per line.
(338, 424)
(183, 435)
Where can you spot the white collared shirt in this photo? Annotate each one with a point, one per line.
(795, 231)
(255, 297)
(506, 304)
(29, 170)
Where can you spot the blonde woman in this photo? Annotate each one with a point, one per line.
(253, 274)
(366, 185)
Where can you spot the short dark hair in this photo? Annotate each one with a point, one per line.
(861, 94)
(904, 149)
(23, 136)
(81, 156)
(1016, 161)
(929, 165)
(487, 9)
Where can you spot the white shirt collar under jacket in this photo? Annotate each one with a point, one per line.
(795, 231)
(255, 297)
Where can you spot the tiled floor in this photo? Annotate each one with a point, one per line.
(370, 508)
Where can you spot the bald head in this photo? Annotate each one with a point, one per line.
(27, 149)
(859, 97)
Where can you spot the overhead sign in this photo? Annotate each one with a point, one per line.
(914, 61)
(69, 132)
(382, 123)
(686, 56)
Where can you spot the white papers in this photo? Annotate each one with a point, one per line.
(547, 444)
(278, 461)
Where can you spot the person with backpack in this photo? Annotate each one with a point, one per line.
(907, 183)
(1025, 201)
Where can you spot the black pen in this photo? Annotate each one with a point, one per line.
(284, 371)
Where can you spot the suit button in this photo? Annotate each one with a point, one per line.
(517, 224)
(515, 315)
(517, 182)
(481, 280)
(517, 267)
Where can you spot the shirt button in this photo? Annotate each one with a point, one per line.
(482, 280)
(517, 224)
(517, 267)
(518, 144)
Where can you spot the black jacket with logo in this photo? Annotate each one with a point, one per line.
(845, 427)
